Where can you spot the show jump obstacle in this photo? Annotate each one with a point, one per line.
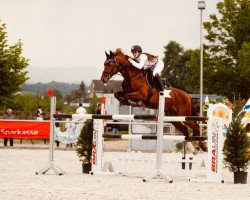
(216, 124)
(214, 137)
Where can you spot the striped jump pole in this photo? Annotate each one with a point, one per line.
(106, 117)
(131, 117)
(154, 137)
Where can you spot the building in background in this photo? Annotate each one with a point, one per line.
(98, 88)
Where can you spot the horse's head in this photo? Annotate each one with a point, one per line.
(113, 64)
(111, 67)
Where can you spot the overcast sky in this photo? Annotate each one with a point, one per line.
(65, 40)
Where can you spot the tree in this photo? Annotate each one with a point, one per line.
(58, 94)
(236, 147)
(85, 142)
(192, 83)
(227, 49)
(82, 90)
(75, 94)
(68, 98)
(173, 52)
(12, 64)
(181, 67)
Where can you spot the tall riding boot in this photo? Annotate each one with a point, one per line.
(150, 77)
(159, 82)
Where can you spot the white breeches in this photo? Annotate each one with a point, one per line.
(158, 68)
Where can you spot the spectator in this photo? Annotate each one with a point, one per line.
(39, 113)
(98, 110)
(81, 110)
(39, 117)
(71, 128)
(57, 124)
(115, 127)
(8, 116)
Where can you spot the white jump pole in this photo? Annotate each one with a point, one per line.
(51, 164)
(97, 147)
(158, 171)
(98, 143)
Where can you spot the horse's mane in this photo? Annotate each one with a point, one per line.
(119, 52)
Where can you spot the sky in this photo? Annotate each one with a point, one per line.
(65, 40)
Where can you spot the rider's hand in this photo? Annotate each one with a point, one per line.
(129, 59)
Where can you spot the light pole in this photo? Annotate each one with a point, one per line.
(201, 6)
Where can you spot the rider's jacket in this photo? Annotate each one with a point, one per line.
(143, 62)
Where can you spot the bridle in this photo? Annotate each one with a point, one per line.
(120, 69)
(111, 74)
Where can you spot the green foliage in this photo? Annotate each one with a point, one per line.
(182, 67)
(236, 147)
(12, 64)
(84, 142)
(86, 137)
(82, 89)
(28, 103)
(175, 70)
(58, 94)
(192, 83)
(93, 104)
(227, 51)
(42, 88)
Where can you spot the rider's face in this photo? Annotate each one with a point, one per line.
(136, 54)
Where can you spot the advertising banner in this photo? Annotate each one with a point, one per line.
(24, 129)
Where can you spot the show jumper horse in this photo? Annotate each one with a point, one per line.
(137, 92)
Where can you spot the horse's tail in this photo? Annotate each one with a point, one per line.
(193, 108)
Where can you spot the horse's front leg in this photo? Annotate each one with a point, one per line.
(135, 98)
(120, 97)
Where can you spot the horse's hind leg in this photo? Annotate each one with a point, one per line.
(182, 128)
(194, 126)
(196, 132)
(179, 125)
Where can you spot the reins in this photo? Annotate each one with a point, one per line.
(131, 79)
(121, 70)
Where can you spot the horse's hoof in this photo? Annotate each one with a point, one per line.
(132, 103)
(140, 104)
(195, 152)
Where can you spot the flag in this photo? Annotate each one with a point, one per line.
(49, 92)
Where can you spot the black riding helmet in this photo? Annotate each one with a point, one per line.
(136, 48)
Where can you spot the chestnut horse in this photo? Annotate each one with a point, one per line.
(137, 92)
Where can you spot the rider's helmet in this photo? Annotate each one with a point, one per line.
(136, 48)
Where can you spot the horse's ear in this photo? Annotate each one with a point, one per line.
(112, 55)
(107, 55)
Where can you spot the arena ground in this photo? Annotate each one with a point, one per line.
(18, 181)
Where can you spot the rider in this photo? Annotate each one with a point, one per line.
(148, 61)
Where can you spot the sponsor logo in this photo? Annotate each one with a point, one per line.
(18, 132)
(214, 150)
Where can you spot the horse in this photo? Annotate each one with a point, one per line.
(137, 92)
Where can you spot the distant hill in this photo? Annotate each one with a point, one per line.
(41, 88)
